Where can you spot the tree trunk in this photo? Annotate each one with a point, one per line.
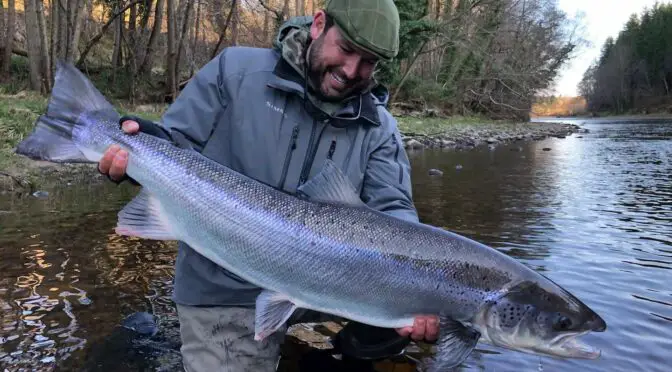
(63, 28)
(285, 11)
(171, 78)
(234, 23)
(55, 11)
(267, 23)
(3, 29)
(45, 65)
(194, 42)
(183, 36)
(33, 44)
(78, 18)
(118, 29)
(132, 20)
(300, 7)
(147, 62)
(147, 12)
(9, 39)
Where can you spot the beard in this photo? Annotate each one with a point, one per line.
(317, 71)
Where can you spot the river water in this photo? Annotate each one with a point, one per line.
(593, 212)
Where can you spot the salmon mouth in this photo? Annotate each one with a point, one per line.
(569, 346)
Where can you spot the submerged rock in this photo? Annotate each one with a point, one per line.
(41, 194)
(137, 344)
(414, 144)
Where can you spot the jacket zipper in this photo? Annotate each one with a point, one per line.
(332, 148)
(288, 156)
(310, 156)
(396, 159)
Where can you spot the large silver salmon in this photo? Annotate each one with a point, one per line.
(322, 249)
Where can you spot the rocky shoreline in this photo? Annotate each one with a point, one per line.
(31, 176)
(469, 137)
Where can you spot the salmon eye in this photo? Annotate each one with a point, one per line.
(562, 323)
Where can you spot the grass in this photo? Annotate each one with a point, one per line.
(17, 117)
(436, 125)
(19, 110)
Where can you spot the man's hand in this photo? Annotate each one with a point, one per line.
(425, 328)
(115, 160)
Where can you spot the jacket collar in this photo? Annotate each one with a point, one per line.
(359, 109)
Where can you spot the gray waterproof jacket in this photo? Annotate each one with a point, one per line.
(246, 110)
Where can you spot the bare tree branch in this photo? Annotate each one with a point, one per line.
(278, 14)
(222, 34)
(96, 38)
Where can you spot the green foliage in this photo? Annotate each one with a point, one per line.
(18, 111)
(635, 70)
(414, 31)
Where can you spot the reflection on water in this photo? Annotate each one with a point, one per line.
(594, 214)
(66, 280)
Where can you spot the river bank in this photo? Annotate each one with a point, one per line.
(18, 113)
(419, 133)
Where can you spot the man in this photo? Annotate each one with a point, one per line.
(276, 115)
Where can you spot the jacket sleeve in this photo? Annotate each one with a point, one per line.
(195, 113)
(387, 180)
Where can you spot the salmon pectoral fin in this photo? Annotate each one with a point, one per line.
(456, 342)
(272, 311)
(143, 218)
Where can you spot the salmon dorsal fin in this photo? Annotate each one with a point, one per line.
(330, 185)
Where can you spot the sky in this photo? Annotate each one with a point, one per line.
(601, 19)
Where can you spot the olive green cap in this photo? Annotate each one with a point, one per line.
(372, 25)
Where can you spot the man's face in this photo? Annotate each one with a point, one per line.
(338, 67)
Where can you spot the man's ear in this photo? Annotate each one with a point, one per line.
(319, 21)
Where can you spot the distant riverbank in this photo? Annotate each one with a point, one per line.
(18, 113)
(419, 133)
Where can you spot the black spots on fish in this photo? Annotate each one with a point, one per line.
(313, 243)
(437, 286)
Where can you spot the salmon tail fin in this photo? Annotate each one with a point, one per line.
(74, 106)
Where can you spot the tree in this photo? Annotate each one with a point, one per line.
(634, 70)
(8, 45)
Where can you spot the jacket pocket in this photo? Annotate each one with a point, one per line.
(288, 156)
(332, 149)
(396, 158)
